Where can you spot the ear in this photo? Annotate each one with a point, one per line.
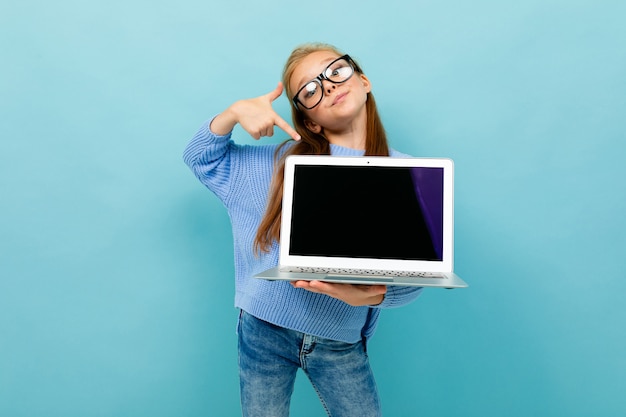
(312, 126)
(366, 83)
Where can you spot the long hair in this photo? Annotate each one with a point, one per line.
(309, 144)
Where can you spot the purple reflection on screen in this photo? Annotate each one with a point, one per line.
(429, 190)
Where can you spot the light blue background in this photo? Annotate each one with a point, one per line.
(116, 289)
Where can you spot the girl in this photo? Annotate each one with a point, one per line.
(319, 327)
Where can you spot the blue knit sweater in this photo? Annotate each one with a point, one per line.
(240, 176)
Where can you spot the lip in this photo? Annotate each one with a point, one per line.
(339, 98)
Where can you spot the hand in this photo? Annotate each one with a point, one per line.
(257, 117)
(353, 294)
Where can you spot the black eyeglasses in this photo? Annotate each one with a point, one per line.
(337, 72)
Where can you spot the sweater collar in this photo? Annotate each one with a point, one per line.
(343, 151)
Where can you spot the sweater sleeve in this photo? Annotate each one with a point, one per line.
(208, 157)
(398, 296)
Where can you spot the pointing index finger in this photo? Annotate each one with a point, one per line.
(287, 128)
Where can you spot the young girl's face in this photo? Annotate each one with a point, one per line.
(341, 103)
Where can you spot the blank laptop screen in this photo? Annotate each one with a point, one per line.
(367, 212)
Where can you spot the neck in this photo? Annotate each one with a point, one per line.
(352, 136)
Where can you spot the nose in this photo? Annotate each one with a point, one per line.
(328, 86)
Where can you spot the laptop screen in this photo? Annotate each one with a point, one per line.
(379, 212)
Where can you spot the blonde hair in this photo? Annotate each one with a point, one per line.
(310, 144)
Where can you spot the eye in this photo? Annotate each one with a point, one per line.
(331, 72)
(341, 71)
(309, 90)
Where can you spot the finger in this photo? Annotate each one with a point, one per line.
(306, 285)
(371, 289)
(378, 289)
(287, 128)
(323, 286)
(274, 94)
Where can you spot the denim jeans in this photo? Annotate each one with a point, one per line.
(269, 358)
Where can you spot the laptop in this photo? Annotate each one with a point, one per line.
(367, 220)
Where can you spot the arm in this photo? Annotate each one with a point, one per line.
(208, 157)
(208, 153)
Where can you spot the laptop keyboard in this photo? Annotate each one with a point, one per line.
(362, 272)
